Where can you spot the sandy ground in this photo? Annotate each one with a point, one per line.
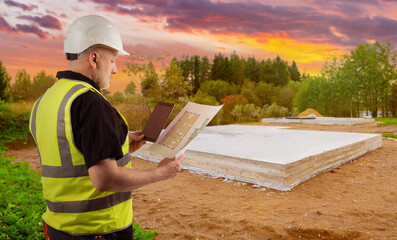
(357, 200)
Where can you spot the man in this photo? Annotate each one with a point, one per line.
(84, 144)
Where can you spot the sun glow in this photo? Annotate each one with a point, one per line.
(300, 51)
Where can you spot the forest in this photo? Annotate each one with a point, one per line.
(362, 81)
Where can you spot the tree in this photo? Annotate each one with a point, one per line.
(186, 66)
(264, 92)
(22, 88)
(150, 81)
(361, 80)
(218, 89)
(374, 67)
(231, 100)
(281, 72)
(220, 68)
(205, 69)
(5, 79)
(174, 85)
(130, 89)
(285, 97)
(311, 95)
(248, 91)
(41, 82)
(252, 70)
(196, 73)
(236, 67)
(393, 98)
(294, 72)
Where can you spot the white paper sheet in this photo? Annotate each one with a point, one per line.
(183, 129)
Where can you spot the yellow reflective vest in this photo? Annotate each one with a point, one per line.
(74, 205)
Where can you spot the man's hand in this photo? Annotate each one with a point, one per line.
(136, 140)
(169, 167)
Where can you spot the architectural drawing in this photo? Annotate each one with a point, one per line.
(179, 130)
(183, 129)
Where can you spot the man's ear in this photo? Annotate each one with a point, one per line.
(93, 58)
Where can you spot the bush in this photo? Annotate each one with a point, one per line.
(229, 102)
(252, 112)
(218, 89)
(275, 111)
(246, 112)
(237, 112)
(14, 125)
(22, 203)
(203, 98)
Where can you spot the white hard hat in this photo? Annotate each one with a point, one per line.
(91, 30)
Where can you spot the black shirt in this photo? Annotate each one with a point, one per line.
(98, 130)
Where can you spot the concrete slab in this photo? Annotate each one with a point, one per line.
(322, 121)
(274, 157)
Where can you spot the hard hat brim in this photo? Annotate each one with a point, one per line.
(123, 52)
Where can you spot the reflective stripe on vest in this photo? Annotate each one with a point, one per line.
(67, 167)
(88, 205)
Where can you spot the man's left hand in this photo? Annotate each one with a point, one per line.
(136, 140)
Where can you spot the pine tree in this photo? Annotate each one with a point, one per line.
(293, 70)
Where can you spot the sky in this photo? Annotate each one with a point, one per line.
(308, 32)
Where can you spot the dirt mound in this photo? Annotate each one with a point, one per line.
(309, 111)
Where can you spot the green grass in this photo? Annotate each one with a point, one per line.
(22, 204)
(389, 135)
(387, 121)
(21, 201)
(142, 234)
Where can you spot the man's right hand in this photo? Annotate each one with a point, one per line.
(169, 167)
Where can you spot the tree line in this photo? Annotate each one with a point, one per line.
(260, 83)
(365, 80)
(229, 75)
(24, 88)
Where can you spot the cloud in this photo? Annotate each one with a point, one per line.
(32, 29)
(310, 21)
(23, 6)
(360, 30)
(46, 21)
(7, 28)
